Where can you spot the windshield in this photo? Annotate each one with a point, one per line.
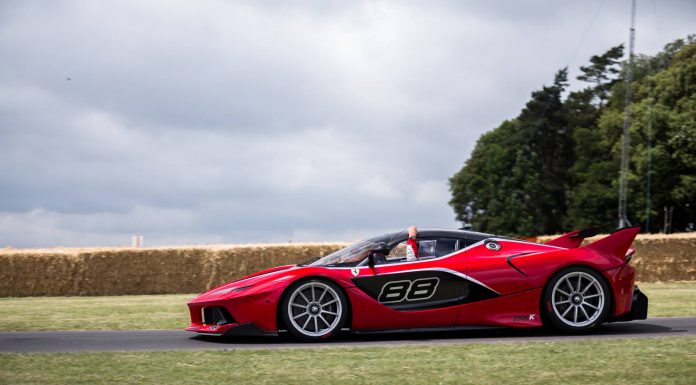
(351, 255)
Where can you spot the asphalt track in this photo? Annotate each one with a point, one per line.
(149, 340)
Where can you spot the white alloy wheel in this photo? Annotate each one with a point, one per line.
(578, 299)
(315, 309)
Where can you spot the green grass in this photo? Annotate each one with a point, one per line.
(639, 361)
(170, 311)
(670, 299)
(95, 313)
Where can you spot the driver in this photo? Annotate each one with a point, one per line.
(412, 244)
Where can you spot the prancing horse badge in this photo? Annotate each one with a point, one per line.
(355, 271)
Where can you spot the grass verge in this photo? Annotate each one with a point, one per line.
(670, 299)
(637, 361)
(95, 313)
(170, 312)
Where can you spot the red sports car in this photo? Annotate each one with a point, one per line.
(461, 278)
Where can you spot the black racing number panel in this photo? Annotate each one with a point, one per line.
(406, 290)
(423, 289)
(394, 291)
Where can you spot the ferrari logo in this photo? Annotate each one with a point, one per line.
(355, 271)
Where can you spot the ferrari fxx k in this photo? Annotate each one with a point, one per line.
(461, 278)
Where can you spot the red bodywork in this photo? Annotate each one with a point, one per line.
(515, 274)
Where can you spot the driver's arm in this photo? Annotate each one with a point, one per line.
(412, 244)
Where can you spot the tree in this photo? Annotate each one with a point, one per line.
(591, 192)
(479, 189)
(602, 72)
(516, 178)
(555, 167)
(666, 110)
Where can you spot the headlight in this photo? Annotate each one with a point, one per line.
(235, 290)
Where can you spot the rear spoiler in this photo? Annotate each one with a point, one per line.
(573, 239)
(617, 244)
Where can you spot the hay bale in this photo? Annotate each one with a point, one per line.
(193, 269)
(122, 271)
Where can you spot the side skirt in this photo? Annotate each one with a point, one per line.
(426, 330)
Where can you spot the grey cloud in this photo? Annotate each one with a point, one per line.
(208, 122)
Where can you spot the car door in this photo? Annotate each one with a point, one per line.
(422, 293)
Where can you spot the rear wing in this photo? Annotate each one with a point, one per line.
(617, 244)
(573, 239)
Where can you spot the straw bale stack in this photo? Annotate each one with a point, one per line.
(193, 269)
(160, 270)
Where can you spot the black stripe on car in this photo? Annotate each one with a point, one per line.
(423, 289)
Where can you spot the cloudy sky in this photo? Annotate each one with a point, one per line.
(260, 121)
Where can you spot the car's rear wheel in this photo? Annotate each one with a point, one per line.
(577, 299)
(314, 309)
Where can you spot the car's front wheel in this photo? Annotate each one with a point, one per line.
(314, 309)
(577, 299)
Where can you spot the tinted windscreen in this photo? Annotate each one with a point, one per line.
(351, 255)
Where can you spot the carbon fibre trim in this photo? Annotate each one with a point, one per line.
(450, 271)
(247, 330)
(422, 289)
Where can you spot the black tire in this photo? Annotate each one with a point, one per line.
(314, 309)
(577, 300)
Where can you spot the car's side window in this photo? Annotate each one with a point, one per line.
(428, 248)
(436, 247)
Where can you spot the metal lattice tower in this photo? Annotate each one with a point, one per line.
(623, 190)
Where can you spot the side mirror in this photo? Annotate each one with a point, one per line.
(377, 248)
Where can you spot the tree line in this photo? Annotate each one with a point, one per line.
(555, 167)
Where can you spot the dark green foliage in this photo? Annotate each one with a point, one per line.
(602, 72)
(668, 97)
(555, 167)
(514, 181)
(480, 189)
(543, 159)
